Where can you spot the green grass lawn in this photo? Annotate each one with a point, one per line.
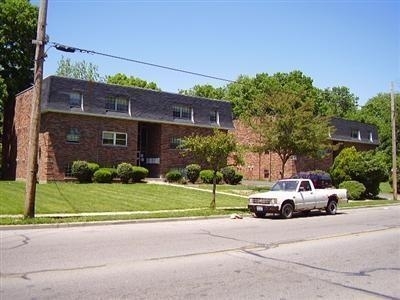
(79, 198)
(144, 200)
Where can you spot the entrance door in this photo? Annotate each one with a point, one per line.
(148, 146)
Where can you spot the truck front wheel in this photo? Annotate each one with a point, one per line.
(331, 208)
(287, 210)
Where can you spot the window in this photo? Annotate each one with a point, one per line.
(182, 112)
(305, 186)
(118, 104)
(355, 134)
(175, 142)
(68, 170)
(371, 139)
(214, 117)
(73, 136)
(114, 138)
(75, 99)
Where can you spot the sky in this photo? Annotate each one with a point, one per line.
(348, 43)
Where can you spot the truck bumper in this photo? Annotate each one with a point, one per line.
(263, 209)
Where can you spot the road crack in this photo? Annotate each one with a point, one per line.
(26, 275)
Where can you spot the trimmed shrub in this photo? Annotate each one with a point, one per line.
(113, 172)
(93, 167)
(125, 172)
(80, 169)
(207, 176)
(102, 176)
(237, 179)
(355, 189)
(139, 173)
(193, 172)
(230, 176)
(369, 168)
(173, 176)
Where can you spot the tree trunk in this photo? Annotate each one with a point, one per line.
(213, 204)
(284, 160)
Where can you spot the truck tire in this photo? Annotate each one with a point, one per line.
(287, 210)
(331, 208)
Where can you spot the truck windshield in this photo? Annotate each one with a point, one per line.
(285, 185)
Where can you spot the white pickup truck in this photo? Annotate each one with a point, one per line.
(291, 195)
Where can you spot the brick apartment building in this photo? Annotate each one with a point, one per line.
(109, 124)
(267, 166)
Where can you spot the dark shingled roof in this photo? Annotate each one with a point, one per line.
(145, 104)
(368, 134)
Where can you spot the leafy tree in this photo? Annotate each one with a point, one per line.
(337, 102)
(245, 90)
(242, 92)
(282, 117)
(377, 112)
(122, 79)
(369, 168)
(3, 97)
(79, 70)
(18, 24)
(206, 91)
(212, 150)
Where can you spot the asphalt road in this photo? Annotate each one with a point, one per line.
(353, 255)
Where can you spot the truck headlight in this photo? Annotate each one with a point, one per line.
(274, 201)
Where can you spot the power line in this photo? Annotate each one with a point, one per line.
(71, 49)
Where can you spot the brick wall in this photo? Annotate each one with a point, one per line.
(56, 152)
(172, 158)
(267, 166)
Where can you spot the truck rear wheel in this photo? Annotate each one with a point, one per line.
(331, 208)
(287, 210)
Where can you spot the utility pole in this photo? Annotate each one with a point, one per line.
(33, 147)
(394, 144)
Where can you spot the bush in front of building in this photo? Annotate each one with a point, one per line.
(355, 189)
(206, 176)
(93, 167)
(139, 173)
(193, 172)
(369, 168)
(103, 175)
(113, 172)
(230, 176)
(125, 172)
(81, 170)
(173, 176)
